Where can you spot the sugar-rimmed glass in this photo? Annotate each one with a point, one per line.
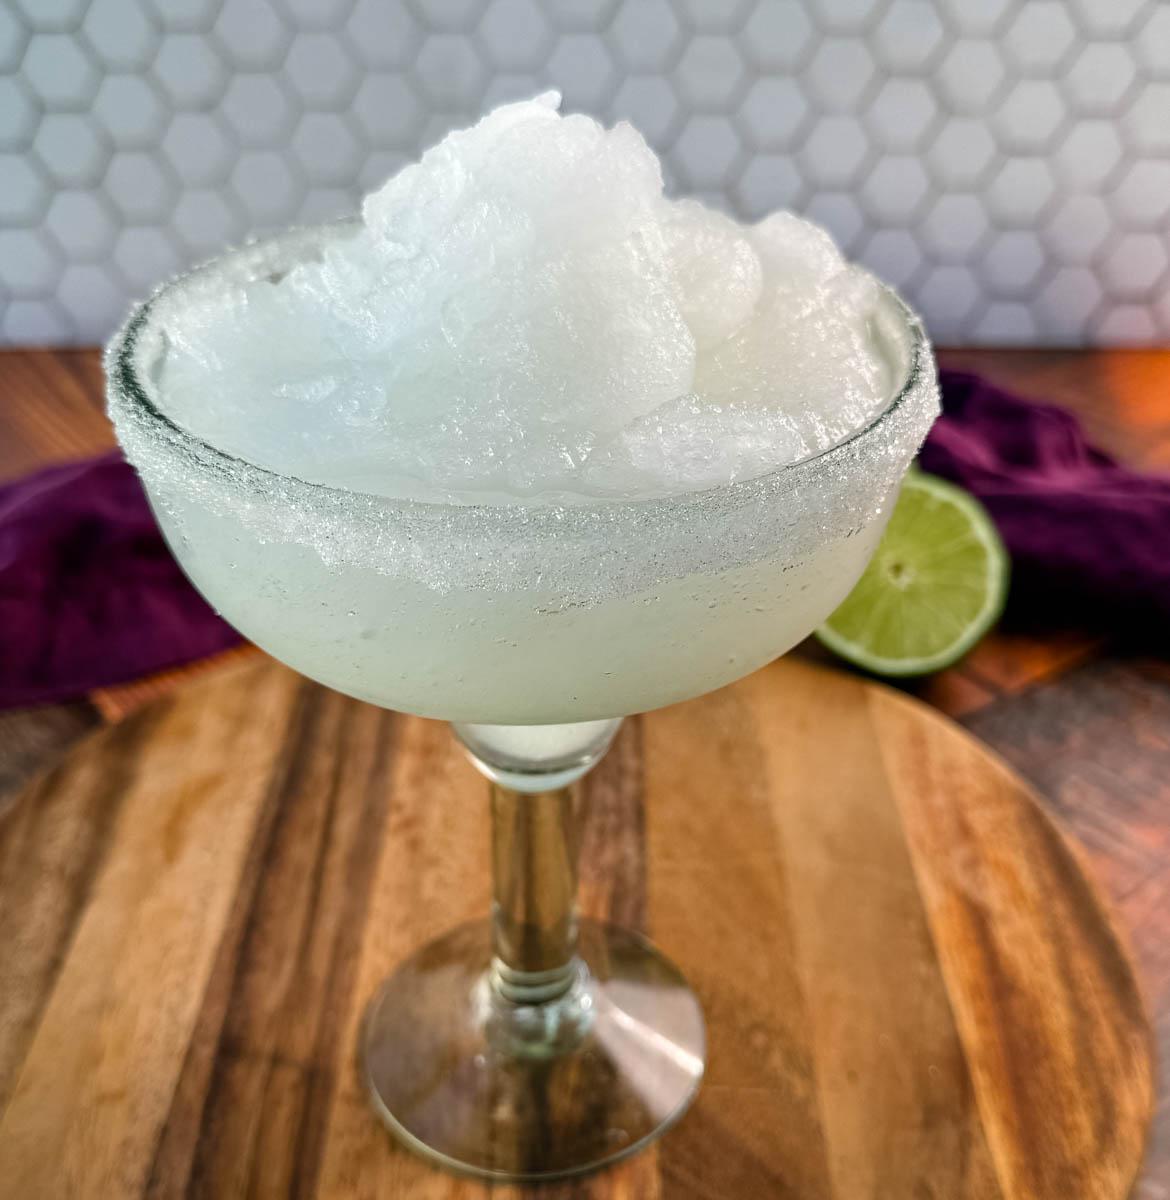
(534, 1044)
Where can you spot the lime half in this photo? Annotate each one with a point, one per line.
(933, 589)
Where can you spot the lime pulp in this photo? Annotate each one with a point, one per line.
(934, 587)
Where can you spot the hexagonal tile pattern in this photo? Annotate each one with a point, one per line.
(902, 113)
(1134, 264)
(82, 225)
(1006, 162)
(1147, 121)
(841, 72)
(515, 34)
(1152, 46)
(386, 110)
(1099, 77)
(849, 16)
(970, 75)
(140, 187)
(1078, 229)
(647, 36)
(583, 68)
(1108, 18)
(325, 204)
(1012, 262)
(769, 181)
(377, 167)
(326, 148)
(910, 36)
(252, 34)
(651, 105)
(24, 191)
(19, 114)
(437, 124)
(835, 151)
(317, 14)
(59, 70)
(37, 323)
(961, 153)
(723, 17)
(189, 70)
(454, 15)
(204, 221)
(449, 72)
(840, 214)
(707, 150)
(504, 88)
(88, 293)
(259, 110)
(145, 255)
(982, 18)
(1088, 155)
(1030, 116)
(1021, 191)
(1007, 324)
(52, 16)
(1039, 37)
(953, 227)
(130, 111)
(34, 262)
(895, 254)
(382, 34)
(1142, 198)
(72, 148)
(319, 71)
(120, 33)
(199, 149)
(590, 15)
(951, 293)
(710, 73)
(777, 36)
(187, 16)
(1065, 303)
(774, 113)
(894, 191)
(1126, 324)
(14, 35)
(265, 187)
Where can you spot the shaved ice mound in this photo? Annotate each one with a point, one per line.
(524, 317)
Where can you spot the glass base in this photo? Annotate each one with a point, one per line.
(523, 1092)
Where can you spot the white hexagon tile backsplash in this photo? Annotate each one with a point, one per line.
(1006, 163)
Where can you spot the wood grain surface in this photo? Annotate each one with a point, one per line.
(911, 988)
(1084, 718)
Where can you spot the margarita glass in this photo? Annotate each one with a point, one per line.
(533, 1044)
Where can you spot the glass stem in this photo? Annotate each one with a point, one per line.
(534, 855)
(534, 893)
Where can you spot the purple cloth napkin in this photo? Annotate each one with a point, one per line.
(1089, 539)
(90, 595)
(89, 592)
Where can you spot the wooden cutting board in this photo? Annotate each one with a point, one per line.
(912, 990)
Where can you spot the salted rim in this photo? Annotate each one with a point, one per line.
(242, 473)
